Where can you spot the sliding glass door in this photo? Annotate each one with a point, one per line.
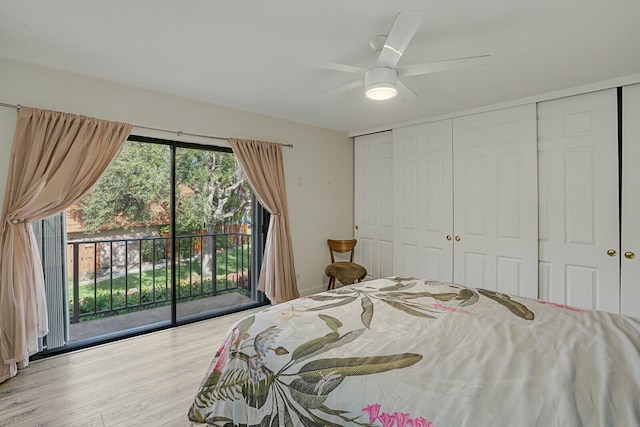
(166, 236)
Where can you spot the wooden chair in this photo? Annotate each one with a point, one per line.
(346, 272)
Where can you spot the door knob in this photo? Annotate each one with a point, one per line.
(457, 238)
(448, 236)
(629, 255)
(611, 252)
(356, 227)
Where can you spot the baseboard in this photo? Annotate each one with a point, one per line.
(316, 289)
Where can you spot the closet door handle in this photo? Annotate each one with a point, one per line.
(611, 252)
(448, 236)
(629, 255)
(457, 238)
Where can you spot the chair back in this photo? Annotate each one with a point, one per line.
(341, 246)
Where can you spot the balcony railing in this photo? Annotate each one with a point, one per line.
(115, 276)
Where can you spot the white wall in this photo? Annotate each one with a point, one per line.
(321, 160)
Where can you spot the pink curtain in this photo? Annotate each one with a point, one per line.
(55, 159)
(264, 168)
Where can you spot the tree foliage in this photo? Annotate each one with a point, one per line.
(135, 191)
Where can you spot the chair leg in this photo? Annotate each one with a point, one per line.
(332, 283)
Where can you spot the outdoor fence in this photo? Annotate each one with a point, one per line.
(114, 276)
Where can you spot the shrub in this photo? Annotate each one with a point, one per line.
(107, 303)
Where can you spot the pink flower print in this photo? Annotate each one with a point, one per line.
(566, 307)
(397, 419)
(373, 411)
(422, 422)
(223, 352)
(401, 419)
(223, 358)
(444, 307)
(386, 419)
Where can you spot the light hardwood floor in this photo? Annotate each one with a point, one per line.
(148, 380)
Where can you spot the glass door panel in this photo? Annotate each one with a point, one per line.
(117, 246)
(213, 233)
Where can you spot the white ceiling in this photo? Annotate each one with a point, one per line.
(250, 54)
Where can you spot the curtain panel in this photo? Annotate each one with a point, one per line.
(56, 158)
(263, 165)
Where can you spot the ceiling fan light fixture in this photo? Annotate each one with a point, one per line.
(381, 91)
(380, 83)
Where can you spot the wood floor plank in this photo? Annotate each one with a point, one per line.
(91, 421)
(77, 388)
(154, 412)
(21, 415)
(180, 422)
(148, 380)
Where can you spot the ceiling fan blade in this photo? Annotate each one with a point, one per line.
(436, 67)
(401, 34)
(334, 66)
(406, 90)
(342, 89)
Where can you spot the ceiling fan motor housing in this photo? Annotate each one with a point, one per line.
(381, 83)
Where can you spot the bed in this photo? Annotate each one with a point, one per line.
(403, 352)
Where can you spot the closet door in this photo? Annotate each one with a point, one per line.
(630, 248)
(423, 201)
(579, 231)
(373, 208)
(495, 201)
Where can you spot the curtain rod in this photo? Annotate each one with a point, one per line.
(14, 106)
(179, 133)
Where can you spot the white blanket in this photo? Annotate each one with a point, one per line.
(405, 352)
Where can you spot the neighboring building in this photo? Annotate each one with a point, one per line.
(120, 246)
(124, 245)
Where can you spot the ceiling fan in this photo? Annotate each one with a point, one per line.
(381, 82)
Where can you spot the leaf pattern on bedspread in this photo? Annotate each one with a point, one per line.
(515, 307)
(255, 380)
(296, 391)
(400, 297)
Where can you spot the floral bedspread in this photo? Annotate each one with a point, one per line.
(406, 352)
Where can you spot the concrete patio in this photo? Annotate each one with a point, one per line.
(122, 322)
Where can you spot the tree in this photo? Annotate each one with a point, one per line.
(135, 191)
(134, 188)
(212, 190)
